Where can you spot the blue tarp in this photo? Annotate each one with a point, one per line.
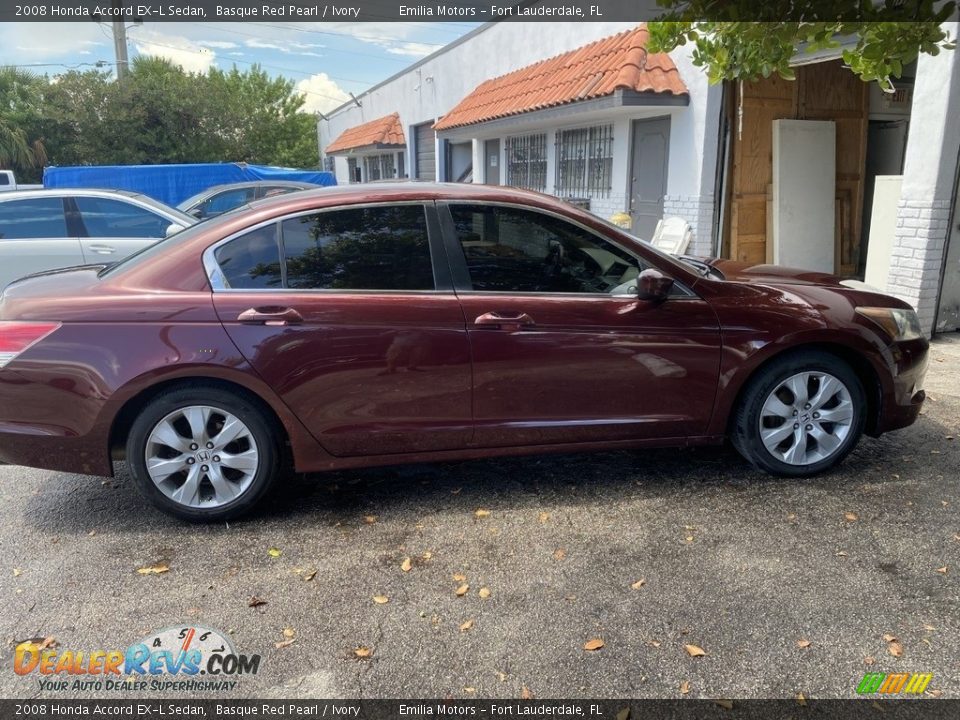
(173, 184)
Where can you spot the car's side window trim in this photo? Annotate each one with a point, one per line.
(443, 283)
(460, 272)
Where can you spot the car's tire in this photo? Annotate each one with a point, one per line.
(821, 403)
(203, 453)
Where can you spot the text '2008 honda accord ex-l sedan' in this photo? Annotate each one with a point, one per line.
(360, 326)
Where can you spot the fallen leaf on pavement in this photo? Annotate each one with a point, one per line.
(427, 555)
(456, 491)
(889, 637)
(274, 552)
(942, 570)
(154, 569)
(406, 565)
(284, 643)
(481, 513)
(525, 694)
(17, 572)
(462, 590)
(466, 626)
(369, 519)
(469, 689)
(638, 584)
(624, 714)
(459, 577)
(726, 704)
(484, 593)
(591, 645)
(559, 554)
(895, 649)
(310, 575)
(694, 650)
(653, 643)
(685, 687)
(544, 517)
(869, 660)
(801, 700)
(929, 628)
(363, 652)
(803, 643)
(254, 601)
(850, 516)
(381, 599)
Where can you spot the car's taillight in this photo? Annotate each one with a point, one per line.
(15, 337)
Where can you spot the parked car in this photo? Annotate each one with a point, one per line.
(47, 229)
(223, 198)
(8, 182)
(365, 326)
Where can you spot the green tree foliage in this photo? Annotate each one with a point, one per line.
(159, 114)
(879, 39)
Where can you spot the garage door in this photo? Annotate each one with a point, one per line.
(426, 151)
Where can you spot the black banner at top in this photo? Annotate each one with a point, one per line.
(333, 11)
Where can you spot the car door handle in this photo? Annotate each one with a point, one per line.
(270, 316)
(511, 323)
(102, 249)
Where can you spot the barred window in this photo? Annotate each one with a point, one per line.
(379, 167)
(585, 161)
(527, 161)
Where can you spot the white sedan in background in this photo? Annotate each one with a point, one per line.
(48, 229)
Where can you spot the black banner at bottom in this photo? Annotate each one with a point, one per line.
(111, 709)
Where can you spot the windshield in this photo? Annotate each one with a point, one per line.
(144, 254)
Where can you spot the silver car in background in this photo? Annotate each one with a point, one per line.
(48, 229)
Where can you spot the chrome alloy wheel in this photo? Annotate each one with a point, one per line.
(806, 418)
(201, 456)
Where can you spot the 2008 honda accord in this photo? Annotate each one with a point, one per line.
(397, 323)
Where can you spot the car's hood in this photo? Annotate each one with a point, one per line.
(771, 274)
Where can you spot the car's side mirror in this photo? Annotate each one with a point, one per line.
(653, 285)
(197, 212)
(173, 228)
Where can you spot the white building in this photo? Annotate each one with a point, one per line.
(582, 111)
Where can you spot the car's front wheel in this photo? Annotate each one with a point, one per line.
(202, 453)
(801, 414)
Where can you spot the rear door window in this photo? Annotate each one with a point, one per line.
(108, 218)
(252, 261)
(371, 248)
(32, 218)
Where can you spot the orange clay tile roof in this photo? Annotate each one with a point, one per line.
(596, 70)
(382, 131)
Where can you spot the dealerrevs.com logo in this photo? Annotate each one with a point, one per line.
(894, 683)
(177, 659)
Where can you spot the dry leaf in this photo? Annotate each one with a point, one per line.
(851, 517)
(889, 637)
(841, 553)
(363, 652)
(942, 570)
(273, 552)
(484, 593)
(689, 539)
(92, 533)
(406, 565)
(801, 700)
(935, 692)
(288, 632)
(456, 491)
(803, 643)
(17, 572)
(869, 660)
(591, 645)
(895, 649)
(624, 714)
(310, 575)
(525, 694)
(694, 650)
(639, 584)
(685, 687)
(369, 519)
(254, 601)
(381, 599)
(462, 590)
(544, 517)
(559, 554)
(427, 555)
(726, 704)
(653, 643)
(284, 643)
(929, 628)
(481, 513)
(154, 569)
(469, 689)
(459, 577)
(466, 626)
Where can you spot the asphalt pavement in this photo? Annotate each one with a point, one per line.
(786, 586)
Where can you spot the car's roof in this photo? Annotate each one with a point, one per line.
(88, 192)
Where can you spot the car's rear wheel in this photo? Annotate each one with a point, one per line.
(202, 453)
(801, 414)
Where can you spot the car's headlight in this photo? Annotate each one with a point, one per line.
(899, 323)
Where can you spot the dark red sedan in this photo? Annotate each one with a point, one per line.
(400, 323)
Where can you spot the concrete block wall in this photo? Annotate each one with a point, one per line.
(698, 211)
